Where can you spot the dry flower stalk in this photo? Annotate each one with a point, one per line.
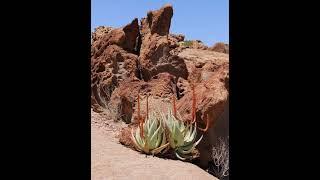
(193, 104)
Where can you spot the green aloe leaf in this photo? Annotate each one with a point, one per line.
(153, 139)
(134, 139)
(180, 156)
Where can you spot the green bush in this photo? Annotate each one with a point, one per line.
(186, 43)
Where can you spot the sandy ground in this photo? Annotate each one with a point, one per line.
(112, 161)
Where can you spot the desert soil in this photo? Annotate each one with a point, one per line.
(112, 161)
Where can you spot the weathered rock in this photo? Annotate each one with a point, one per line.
(177, 50)
(155, 58)
(178, 37)
(112, 60)
(201, 63)
(109, 69)
(125, 137)
(174, 40)
(131, 34)
(100, 32)
(220, 129)
(198, 45)
(193, 44)
(158, 21)
(183, 86)
(124, 37)
(160, 89)
(155, 49)
(115, 36)
(220, 47)
(210, 72)
(211, 99)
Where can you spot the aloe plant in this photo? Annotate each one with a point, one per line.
(181, 136)
(150, 136)
(153, 141)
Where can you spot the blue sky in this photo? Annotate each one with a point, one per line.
(205, 20)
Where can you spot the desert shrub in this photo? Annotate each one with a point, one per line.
(113, 111)
(186, 43)
(220, 158)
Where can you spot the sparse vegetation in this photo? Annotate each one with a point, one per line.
(157, 131)
(182, 136)
(153, 139)
(220, 158)
(186, 43)
(149, 137)
(114, 111)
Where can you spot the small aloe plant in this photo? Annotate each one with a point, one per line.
(154, 139)
(149, 137)
(181, 136)
(158, 132)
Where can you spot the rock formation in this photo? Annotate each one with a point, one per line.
(113, 59)
(155, 56)
(149, 61)
(220, 47)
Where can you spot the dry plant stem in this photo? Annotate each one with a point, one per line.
(139, 108)
(174, 106)
(220, 157)
(193, 105)
(207, 124)
(147, 107)
(139, 117)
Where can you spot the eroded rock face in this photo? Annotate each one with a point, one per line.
(109, 69)
(209, 72)
(123, 37)
(160, 89)
(131, 32)
(178, 37)
(113, 59)
(155, 56)
(200, 63)
(174, 40)
(219, 129)
(211, 99)
(183, 86)
(158, 21)
(100, 31)
(211, 96)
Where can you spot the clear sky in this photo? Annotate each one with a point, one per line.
(205, 20)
